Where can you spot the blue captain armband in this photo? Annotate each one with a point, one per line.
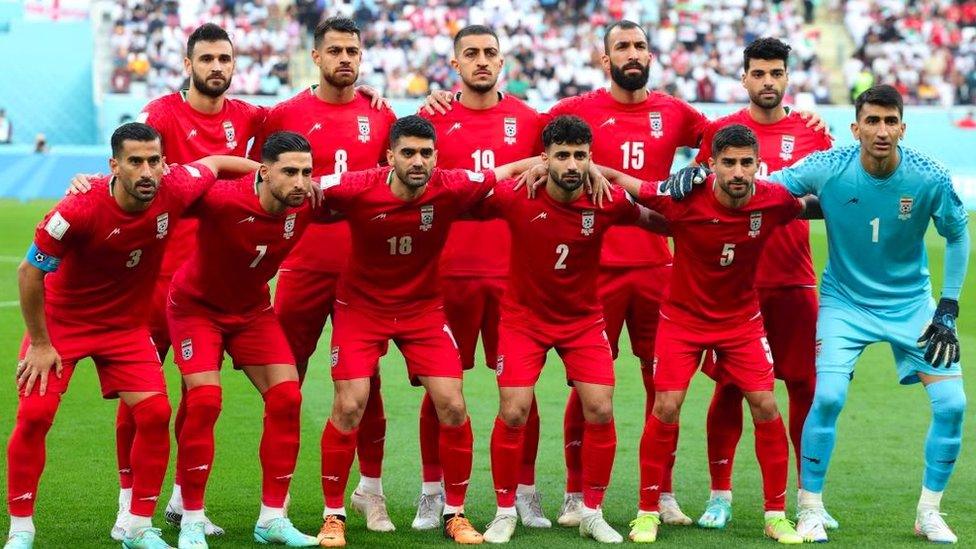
(41, 260)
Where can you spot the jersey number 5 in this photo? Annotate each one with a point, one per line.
(728, 255)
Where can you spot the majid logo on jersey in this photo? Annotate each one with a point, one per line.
(510, 130)
(364, 128)
(905, 208)
(786, 147)
(755, 223)
(290, 226)
(426, 217)
(162, 225)
(588, 221)
(657, 124)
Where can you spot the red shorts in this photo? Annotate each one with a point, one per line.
(633, 295)
(522, 354)
(125, 359)
(200, 337)
(790, 318)
(743, 354)
(472, 307)
(360, 338)
(303, 301)
(158, 327)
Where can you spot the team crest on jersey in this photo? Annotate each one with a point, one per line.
(186, 349)
(364, 129)
(905, 208)
(162, 225)
(426, 217)
(657, 125)
(230, 134)
(818, 348)
(786, 147)
(335, 357)
(511, 129)
(290, 226)
(499, 365)
(589, 221)
(755, 223)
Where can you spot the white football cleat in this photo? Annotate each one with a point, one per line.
(373, 507)
(570, 513)
(930, 525)
(671, 513)
(593, 525)
(810, 524)
(430, 510)
(529, 507)
(500, 529)
(174, 516)
(122, 518)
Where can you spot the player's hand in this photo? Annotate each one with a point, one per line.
(682, 182)
(438, 102)
(35, 368)
(532, 179)
(939, 337)
(80, 183)
(598, 187)
(815, 121)
(376, 99)
(314, 193)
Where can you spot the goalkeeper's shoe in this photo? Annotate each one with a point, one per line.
(20, 540)
(643, 529)
(810, 524)
(671, 513)
(718, 513)
(192, 536)
(930, 525)
(782, 530)
(281, 531)
(147, 538)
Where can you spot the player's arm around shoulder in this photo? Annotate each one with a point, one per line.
(811, 174)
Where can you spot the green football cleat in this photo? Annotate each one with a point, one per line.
(193, 536)
(782, 530)
(643, 529)
(148, 538)
(20, 540)
(718, 513)
(281, 531)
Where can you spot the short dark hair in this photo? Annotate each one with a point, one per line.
(334, 24)
(280, 143)
(474, 30)
(623, 24)
(207, 32)
(567, 129)
(767, 49)
(882, 95)
(735, 135)
(133, 131)
(411, 126)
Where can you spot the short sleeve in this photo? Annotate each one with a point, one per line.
(339, 190)
(694, 125)
(625, 209)
(61, 229)
(808, 175)
(496, 202)
(705, 147)
(271, 124)
(787, 206)
(651, 197)
(469, 186)
(152, 115)
(189, 181)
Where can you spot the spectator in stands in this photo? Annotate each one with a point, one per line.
(6, 128)
(967, 122)
(40, 144)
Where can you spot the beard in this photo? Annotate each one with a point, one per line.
(404, 177)
(726, 187)
(628, 82)
(341, 81)
(482, 87)
(140, 194)
(764, 102)
(569, 181)
(290, 200)
(203, 87)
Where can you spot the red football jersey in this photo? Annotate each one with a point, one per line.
(189, 135)
(640, 140)
(716, 251)
(239, 248)
(481, 140)
(555, 254)
(787, 260)
(111, 258)
(348, 137)
(396, 245)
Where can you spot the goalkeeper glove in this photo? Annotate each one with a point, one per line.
(680, 184)
(939, 337)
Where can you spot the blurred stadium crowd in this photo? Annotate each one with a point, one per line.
(927, 48)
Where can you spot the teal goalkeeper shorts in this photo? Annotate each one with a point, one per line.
(844, 330)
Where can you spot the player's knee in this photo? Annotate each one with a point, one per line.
(948, 400)
(514, 414)
(831, 393)
(667, 410)
(36, 413)
(204, 401)
(764, 409)
(284, 400)
(153, 413)
(451, 409)
(598, 412)
(349, 408)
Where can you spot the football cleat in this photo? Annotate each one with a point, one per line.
(192, 536)
(281, 531)
(810, 524)
(594, 526)
(671, 513)
(20, 540)
(529, 507)
(333, 532)
(373, 507)
(500, 529)
(830, 522)
(121, 519)
(643, 529)
(782, 530)
(930, 525)
(430, 508)
(459, 528)
(147, 538)
(174, 516)
(718, 513)
(571, 511)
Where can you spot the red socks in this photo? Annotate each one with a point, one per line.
(279, 442)
(599, 447)
(150, 453)
(338, 451)
(507, 447)
(573, 442)
(456, 451)
(125, 431)
(429, 437)
(657, 446)
(724, 429)
(772, 452)
(801, 398)
(530, 448)
(195, 451)
(26, 451)
(178, 422)
(372, 433)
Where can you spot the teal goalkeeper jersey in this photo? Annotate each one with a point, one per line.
(876, 227)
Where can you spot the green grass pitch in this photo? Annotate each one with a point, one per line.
(872, 487)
